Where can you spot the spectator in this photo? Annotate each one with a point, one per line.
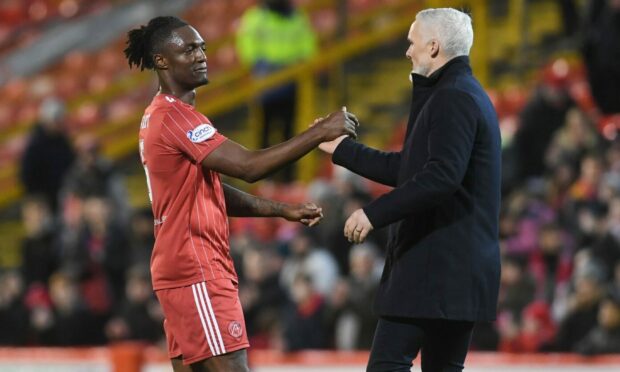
(536, 331)
(41, 316)
(304, 318)
(616, 281)
(583, 306)
(72, 323)
(541, 117)
(99, 256)
(517, 288)
(261, 295)
(576, 138)
(40, 255)
(13, 313)
(601, 52)
(587, 186)
(48, 154)
(356, 323)
(273, 35)
(139, 316)
(607, 250)
(605, 337)
(551, 265)
(141, 237)
(92, 175)
(529, 212)
(306, 258)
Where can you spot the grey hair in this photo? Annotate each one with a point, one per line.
(451, 28)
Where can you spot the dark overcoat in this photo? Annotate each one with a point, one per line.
(442, 257)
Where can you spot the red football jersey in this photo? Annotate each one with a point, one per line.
(191, 225)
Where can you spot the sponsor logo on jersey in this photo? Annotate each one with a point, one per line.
(170, 99)
(201, 133)
(235, 329)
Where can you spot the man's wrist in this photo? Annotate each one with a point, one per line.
(337, 156)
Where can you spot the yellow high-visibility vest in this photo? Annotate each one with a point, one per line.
(267, 36)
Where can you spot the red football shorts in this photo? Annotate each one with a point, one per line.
(203, 320)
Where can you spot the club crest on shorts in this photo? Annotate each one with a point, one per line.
(201, 133)
(235, 329)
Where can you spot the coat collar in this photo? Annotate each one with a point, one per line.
(456, 64)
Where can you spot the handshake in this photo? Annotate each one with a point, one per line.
(336, 127)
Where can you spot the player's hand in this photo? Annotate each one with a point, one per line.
(307, 213)
(357, 227)
(337, 124)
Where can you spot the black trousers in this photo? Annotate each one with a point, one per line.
(397, 341)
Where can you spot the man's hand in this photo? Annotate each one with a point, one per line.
(308, 213)
(330, 146)
(337, 124)
(357, 227)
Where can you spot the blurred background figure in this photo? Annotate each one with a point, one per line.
(71, 243)
(604, 338)
(306, 257)
(14, 317)
(601, 51)
(141, 237)
(354, 321)
(138, 317)
(262, 296)
(40, 251)
(99, 255)
(48, 153)
(537, 330)
(540, 118)
(92, 175)
(304, 318)
(582, 305)
(272, 35)
(73, 322)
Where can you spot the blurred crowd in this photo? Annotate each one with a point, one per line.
(84, 275)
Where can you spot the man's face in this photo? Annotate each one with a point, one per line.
(419, 51)
(185, 57)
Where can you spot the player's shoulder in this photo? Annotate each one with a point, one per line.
(174, 111)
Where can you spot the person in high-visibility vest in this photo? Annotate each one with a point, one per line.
(272, 35)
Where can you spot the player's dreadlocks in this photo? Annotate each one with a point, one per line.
(147, 40)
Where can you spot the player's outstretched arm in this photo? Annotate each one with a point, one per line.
(241, 204)
(234, 160)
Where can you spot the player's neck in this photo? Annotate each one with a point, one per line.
(187, 96)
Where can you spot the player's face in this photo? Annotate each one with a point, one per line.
(185, 54)
(419, 52)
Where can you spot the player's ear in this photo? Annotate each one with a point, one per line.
(160, 62)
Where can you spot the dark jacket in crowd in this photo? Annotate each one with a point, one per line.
(539, 120)
(46, 159)
(575, 327)
(442, 258)
(601, 53)
(40, 257)
(600, 341)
